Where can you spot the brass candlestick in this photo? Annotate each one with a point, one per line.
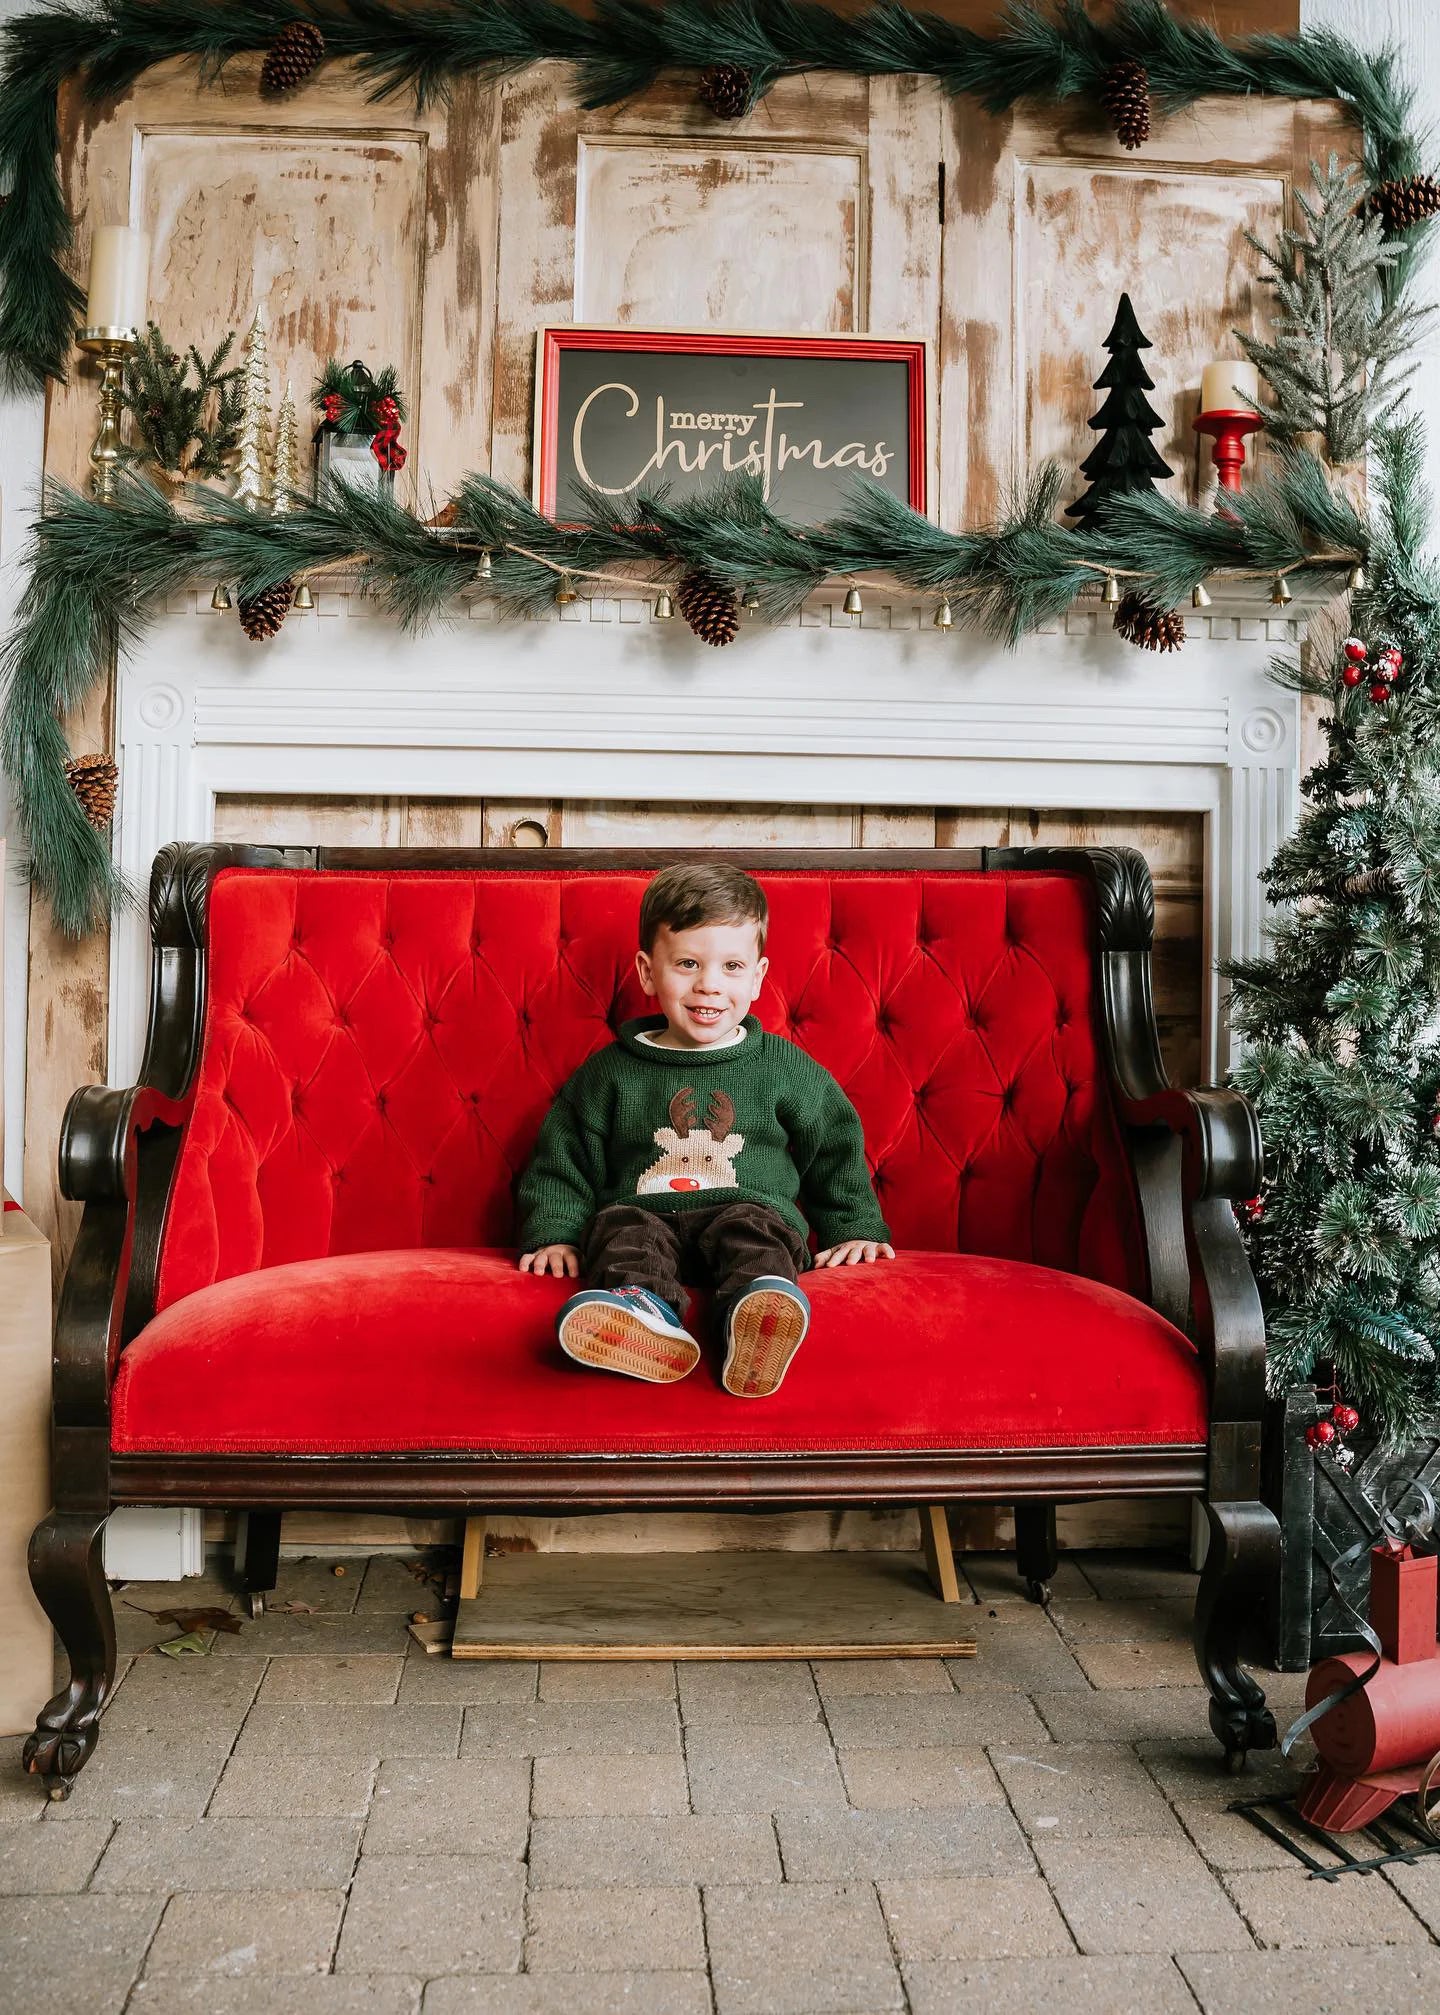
(112, 347)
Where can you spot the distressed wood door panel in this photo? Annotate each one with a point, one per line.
(643, 215)
(364, 230)
(325, 231)
(642, 209)
(1048, 221)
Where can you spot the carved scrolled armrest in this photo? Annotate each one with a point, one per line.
(98, 1138)
(1224, 1156)
(117, 1149)
(1222, 1160)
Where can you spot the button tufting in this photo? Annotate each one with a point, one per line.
(381, 1101)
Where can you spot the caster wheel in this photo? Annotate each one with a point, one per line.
(1235, 1761)
(57, 1791)
(256, 1600)
(1038, 1591)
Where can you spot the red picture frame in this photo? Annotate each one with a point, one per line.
(554, 342)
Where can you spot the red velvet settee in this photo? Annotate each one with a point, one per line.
(293, 1282)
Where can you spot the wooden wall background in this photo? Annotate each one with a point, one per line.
(441, 241)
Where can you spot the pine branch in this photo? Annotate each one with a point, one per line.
(1340, 352)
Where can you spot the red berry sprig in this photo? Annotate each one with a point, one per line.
(1355, 651)
(333, 406)
(1330, 1434)
(1251, 1210)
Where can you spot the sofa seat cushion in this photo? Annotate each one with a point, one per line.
(445, 1349)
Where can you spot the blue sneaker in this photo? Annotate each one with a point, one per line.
(764, 1327)
(627, 1329)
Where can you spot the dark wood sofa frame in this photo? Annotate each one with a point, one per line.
(1192, 1151)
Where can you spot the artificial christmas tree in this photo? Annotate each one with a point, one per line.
(1122, 460)
(1340, 1023)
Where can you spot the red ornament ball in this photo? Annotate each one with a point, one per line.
(1379, 692)
(1352, 675)
(1354, 650)
(1323, 1431)
(1345, 1418)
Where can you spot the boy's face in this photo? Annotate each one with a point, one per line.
(703, 981)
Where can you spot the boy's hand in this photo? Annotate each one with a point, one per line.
(561, 1260)
(854, 1252)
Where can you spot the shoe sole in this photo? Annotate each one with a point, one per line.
(610, 1339)
(766, 1330)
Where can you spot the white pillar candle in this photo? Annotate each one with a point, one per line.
(119, 278)
(1228, 386)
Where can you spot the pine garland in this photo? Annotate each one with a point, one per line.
(619, 49)
(100, 570)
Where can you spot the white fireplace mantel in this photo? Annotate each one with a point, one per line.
(602, 702)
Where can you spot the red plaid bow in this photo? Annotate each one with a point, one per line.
(385, 446)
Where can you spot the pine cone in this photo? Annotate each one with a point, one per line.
(1140, 622)
(298, 49)
(94, 780)
(709, 607)
(261, 615)
(1401, 204)
(725, 90)
(1125, 94)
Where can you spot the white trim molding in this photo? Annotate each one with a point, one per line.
(602, 702)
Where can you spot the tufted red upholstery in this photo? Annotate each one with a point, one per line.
(380, 1049)
(977, 1353)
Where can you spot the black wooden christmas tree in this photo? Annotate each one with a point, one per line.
(1122, 459)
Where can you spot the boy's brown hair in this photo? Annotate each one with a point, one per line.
(692, 893)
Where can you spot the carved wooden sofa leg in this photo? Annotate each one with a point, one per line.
(1241, 1570)
(68, 1575)
(257, 1556)
(1036, 1551)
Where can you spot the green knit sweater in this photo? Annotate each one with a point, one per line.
(674, 1130)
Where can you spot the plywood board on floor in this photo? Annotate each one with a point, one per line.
(709, 1605)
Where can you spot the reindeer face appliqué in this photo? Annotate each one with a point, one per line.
(692, 1158)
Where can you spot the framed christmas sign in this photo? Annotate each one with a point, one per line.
(625, 410)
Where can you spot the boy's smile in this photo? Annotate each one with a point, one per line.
(703, 981)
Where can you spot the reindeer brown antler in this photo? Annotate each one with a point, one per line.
(719, 1114)
(683, 1110)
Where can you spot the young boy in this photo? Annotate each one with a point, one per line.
(688, 1147)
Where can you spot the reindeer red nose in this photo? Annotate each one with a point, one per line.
(684, 1182)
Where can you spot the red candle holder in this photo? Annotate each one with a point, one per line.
(1228, 430)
